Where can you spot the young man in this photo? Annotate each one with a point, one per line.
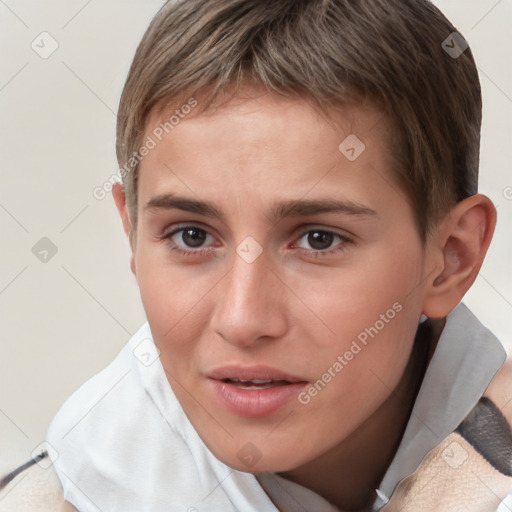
(300, 195)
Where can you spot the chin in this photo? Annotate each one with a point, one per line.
(249, 458)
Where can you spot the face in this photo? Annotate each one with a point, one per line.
(280, 269)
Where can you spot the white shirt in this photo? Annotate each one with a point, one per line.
(122, 442)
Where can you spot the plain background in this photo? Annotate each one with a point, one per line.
(64, 319)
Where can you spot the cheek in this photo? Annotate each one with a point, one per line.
(367, 294)
(174, 302)
(372, 318)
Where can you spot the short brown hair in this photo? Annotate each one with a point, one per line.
(333, 52)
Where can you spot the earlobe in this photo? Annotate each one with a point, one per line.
(120, 201)
(461, 243)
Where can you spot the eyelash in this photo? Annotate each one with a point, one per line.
(208, 251)
(167, 237)
(339, 248)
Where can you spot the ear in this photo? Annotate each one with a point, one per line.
(457, 251)
(120, 200)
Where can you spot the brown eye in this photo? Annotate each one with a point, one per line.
(193, 237)
(320, 240)
(190, 238)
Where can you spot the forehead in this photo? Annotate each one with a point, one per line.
(266, 145)
(253, 110)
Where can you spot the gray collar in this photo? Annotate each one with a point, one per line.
(466, 359)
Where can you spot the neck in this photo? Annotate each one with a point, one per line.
(348, 475)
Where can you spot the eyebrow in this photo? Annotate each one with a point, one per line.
(292, 208)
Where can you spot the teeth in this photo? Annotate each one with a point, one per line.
(246, 385)
(255, 381)
(254, 384)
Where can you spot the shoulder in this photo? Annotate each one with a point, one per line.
(111, 434)
(98, 417)
(116, 387)
(500, 390)
(34, 490)
(472, 467)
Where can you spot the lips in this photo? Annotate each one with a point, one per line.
(253, 391)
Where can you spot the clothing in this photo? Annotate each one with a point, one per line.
(122, 442)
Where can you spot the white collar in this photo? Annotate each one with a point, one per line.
(466, 358)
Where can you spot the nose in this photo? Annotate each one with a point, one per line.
(250, 304)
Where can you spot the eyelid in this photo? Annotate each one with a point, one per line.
(343, 233)
(174, 228)
(335, 250)
(169, 234)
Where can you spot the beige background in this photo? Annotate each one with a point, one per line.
(65, 319)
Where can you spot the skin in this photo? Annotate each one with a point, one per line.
(297, 307)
